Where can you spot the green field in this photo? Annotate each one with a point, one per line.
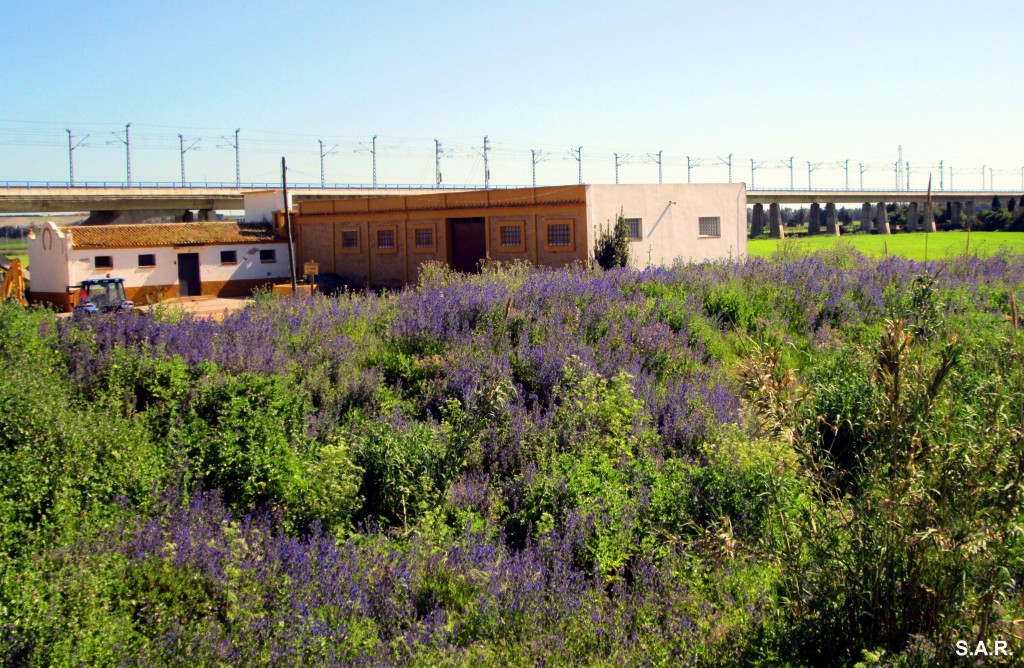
(913, 246)
(15, 248)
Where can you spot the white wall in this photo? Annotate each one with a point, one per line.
(126, 264)
(47, 259)
(260, 205)
(670, 219)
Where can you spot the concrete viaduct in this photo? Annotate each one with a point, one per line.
(108, 203)
(873, 214)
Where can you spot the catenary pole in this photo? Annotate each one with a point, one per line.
(288, 223)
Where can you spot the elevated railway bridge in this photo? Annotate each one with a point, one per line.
(122, 202)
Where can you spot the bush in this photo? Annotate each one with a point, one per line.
(611, 249)
(735, 489)
(842, 404)
(920, 548)
(243, 435)
(404, 470)
(1016, 223)
(994, 220)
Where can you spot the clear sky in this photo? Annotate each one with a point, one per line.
(820, 81)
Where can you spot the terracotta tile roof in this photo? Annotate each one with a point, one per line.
(168, 234)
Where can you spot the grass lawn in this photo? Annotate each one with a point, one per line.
(915, 246)
(15, 248)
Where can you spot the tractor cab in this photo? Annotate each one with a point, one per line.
(102, 295)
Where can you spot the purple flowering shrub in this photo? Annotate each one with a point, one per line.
(523, 466)
(194, 584)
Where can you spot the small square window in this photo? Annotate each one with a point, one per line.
(422, 237)
(710, 226)
(350, 239)
(385, 239)
(147, 260)
(635, 228)
(229, 257)
(268, 255)
(558, 234)
(103, 262)
(511, 235)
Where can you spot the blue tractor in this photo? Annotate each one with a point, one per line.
(96, 295)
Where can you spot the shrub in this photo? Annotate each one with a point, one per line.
(994, 220)
(839, 412)
(1016, 223)
(920, 548)
(244, 435)
(736, 487)
(611, 248)
(404, 469)
(328, 491)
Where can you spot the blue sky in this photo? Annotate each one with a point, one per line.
(820, 81)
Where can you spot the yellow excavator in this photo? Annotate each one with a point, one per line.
(13, 285)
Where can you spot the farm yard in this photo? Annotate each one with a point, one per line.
(812, 459)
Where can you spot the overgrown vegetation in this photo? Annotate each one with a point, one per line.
(803, 461)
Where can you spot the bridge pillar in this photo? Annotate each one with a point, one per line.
(955, 212)
(865, 217)
(778, 230)
(969, 210)
(186, 217)
(757, 221)
(207, 215)
(831, 221)
(814, 220)
(882, 219)
(911, 217)
(929, 218)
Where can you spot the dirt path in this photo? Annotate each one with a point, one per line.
(202, 307)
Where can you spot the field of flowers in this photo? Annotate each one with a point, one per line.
(806, 460)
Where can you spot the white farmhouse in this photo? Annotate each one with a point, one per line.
(157, 261)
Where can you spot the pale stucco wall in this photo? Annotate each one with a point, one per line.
(48, 259)
(670, 219)
(260, 205)
(126, 264)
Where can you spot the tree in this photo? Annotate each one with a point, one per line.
(1016, 221)
(1011, 205)
(897, 214)
(612, 247)
(996, 204)
(994, 220)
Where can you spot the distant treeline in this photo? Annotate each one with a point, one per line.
(13, 232)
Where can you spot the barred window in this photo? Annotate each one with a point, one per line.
(511, 235)
(710, 227)
(558, 234)
(350, 239)
(424, 237)
(635, 228)
(385, 239)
